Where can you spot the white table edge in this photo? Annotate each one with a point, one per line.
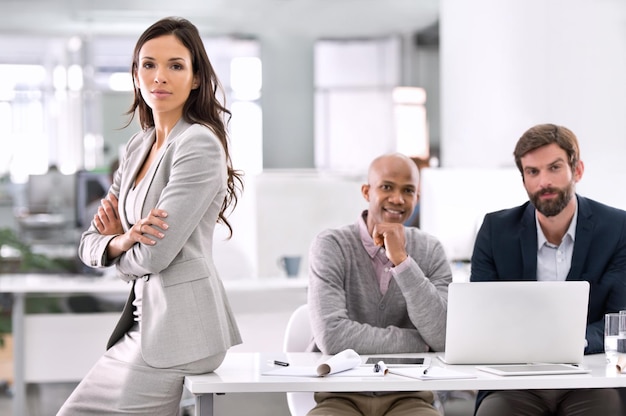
(204, 387)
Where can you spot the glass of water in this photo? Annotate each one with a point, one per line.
(614, 336)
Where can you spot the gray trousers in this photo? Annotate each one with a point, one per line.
(579, 402)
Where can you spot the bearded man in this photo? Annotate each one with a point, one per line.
(557, 235)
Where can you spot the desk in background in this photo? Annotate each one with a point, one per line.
(55, 347)
(241, 373)
(63, 347)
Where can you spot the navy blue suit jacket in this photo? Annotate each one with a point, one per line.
(506, 249)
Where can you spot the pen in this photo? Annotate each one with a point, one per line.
(380, 367)
(281, 363)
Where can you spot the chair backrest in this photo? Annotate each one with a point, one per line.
(298, 337)
(298, 334)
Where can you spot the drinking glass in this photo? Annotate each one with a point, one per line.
(614, 336)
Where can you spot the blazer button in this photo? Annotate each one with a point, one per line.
(146, 277)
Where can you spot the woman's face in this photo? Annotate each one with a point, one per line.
(165, 75)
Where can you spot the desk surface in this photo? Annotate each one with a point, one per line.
(241, 373)
(68, 283)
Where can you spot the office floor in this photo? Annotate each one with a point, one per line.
(45, 400)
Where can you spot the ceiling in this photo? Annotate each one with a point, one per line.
(313, 18)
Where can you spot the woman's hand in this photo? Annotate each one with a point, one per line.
(149, 228)
(107, 220)
(145, 231)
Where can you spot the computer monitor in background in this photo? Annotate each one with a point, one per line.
(91, 187)
(49, 213)
(51, 193)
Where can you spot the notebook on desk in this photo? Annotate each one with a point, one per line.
(533, 369)
(516, 322)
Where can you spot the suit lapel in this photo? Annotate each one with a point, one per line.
(135, 161)
(180, 126)
(176, 131)
(528, 241)
(582, 241)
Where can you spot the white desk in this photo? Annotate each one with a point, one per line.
(241, 373)
(88, 342)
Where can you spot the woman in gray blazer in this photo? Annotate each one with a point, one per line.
(174, 183)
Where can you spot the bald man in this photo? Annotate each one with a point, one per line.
(379, 287)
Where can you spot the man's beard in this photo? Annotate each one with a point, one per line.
(552, 207)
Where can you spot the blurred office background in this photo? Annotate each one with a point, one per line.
(317, 88)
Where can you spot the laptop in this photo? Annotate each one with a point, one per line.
(516, 322)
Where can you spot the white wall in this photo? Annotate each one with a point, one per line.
(454, 201)
(507, 65)
(604, 184)
(279, 213)
(287, 101)
(294, 206)
(354, 118)
(518, 63)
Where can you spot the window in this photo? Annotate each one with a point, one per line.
(23, 144)
(360, 109)
(63, 101)
(410, 122)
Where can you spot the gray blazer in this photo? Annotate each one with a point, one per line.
(186, 315)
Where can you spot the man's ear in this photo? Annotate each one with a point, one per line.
(579, 169)
(365, 191)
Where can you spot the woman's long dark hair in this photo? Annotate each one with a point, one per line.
(202, 106)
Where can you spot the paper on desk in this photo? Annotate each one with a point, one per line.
(433, 373)
(344, 364)
(342, 361)
(303, 371)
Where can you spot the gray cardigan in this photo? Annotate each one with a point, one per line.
(348, 310)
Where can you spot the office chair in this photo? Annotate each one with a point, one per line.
(298, 336)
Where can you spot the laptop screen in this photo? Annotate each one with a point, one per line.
(516, 322)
